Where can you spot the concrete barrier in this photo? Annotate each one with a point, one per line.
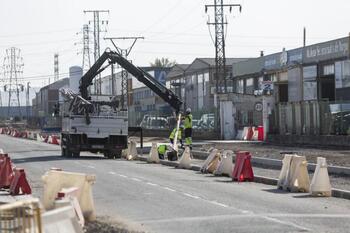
(320, 184)
(208, 160)
(55, 181)
(131, 151)
(153, 154)
(283, 179)
(225, 166)
(185, 160)
(299, 177)
(61, 220)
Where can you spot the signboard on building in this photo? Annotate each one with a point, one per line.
(267, 85)
(326, 51)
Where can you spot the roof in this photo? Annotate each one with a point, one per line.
(205, 63)
(229, 61)
(177, 70)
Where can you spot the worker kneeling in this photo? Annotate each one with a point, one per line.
(161, 151)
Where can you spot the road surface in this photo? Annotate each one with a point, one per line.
(165, 199)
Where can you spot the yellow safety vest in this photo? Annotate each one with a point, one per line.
(161, 149)
(172, 135)
(188, 121)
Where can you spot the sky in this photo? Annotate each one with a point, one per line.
(175, 29)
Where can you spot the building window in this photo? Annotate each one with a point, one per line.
(328, 69)
(240, 86)
(249, 86)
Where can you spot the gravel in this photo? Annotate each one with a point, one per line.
(108, 225)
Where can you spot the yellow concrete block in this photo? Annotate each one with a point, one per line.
(299, 177)
(55, 181)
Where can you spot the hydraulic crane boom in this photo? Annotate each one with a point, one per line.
(142, 76)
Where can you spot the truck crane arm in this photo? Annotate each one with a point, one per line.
(142, 76)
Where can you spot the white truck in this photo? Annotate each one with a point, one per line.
(101, 125)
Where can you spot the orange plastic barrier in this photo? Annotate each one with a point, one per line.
(243, 168)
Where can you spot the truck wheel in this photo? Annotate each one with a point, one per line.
(108, 154)
(117, 154)
(76, 154)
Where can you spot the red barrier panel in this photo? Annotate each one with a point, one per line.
(250, 133)
(20, 184)
(6, 172)
(243, 168)
(54, 140)
(260, 133)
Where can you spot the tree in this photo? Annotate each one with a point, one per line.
(163, 62)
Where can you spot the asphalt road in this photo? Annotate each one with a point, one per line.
(165, 199)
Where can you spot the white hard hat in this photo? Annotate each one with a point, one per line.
(188, 110)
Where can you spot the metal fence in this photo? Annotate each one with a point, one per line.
(311, 118)
(21, 217)
(202, 120)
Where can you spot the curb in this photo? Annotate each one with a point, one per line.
(277, 164)
(337, 193)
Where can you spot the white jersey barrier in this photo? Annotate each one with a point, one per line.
(61, 220)
(131, 151)
(211, 156)
(320, 184)
(225, 166)
(185, 160)
(153, 154)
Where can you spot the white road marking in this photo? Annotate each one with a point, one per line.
(286, 223)
(135, 179)
(112, 173)
(219, 204)
(169, 189)
(152, 184)
(190, 195)
(122, 176)
(89, 166)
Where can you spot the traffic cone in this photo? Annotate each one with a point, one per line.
(20, 185)
(214, 163)
(226, 166)
(6, 171)
(320, 184)
(299, 177)
(283, 178)
(153, 154)
(211, 156)
(185, 160)
(131, 151)
(243, 168)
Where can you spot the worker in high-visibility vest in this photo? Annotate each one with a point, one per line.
(161, 151)
(179, 135)
(188, 127)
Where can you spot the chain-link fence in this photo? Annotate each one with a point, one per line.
(202, 120)
(312, 118)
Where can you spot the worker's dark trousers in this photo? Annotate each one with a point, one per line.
(188, 137)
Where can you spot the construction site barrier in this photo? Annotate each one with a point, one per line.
(243, 170)
(68, 197)
(214, 163)
(19, 184)
(55, 181)
(225, 166)
(21, 217)
(283, 179)
(131, 151)
(185, 160)
(320, 184)
(6, 171)
(211, 156)
(61, 220)
(299, 178)
(153, 154)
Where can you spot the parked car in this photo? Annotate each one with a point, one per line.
(152, 122)
(206, 121)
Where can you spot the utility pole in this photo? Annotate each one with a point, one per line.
(124, 53)
(97, 23)
(86, 64)
(27, 100)
(220, 58)
(56, 68)
(13, 66)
